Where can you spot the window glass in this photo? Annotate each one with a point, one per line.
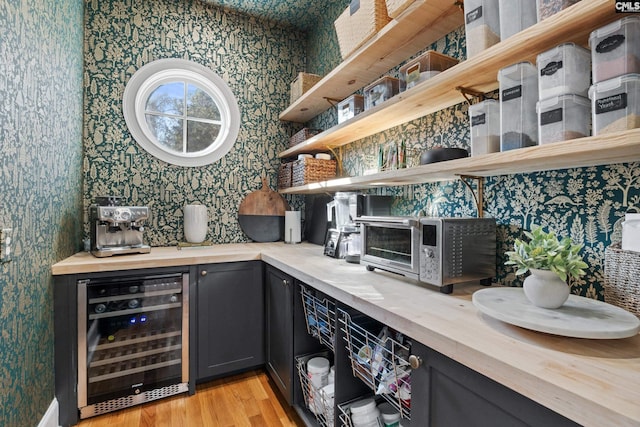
(181, 112)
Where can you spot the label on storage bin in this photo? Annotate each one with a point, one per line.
(610, 43)
(512, 93)
(354, 6)
(551, 68)
(474, 15)
(552, 116)
(611, 103)
(478, 120)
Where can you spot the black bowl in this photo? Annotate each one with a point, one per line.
(441, 154)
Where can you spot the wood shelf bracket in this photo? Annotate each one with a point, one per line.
(469, 94)
(478, 196)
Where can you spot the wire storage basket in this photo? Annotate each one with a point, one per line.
(380, 361)
(621, 284)
(320, 317)
(318, 399)
(344, 410)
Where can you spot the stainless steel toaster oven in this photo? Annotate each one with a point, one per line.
(436, 251)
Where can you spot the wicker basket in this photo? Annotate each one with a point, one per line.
(622, 278)
(307, 170)
(302, 136)
(396, 7)
(358, 23)
(302, 83)
(284, 175)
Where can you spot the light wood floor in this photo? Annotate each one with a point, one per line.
(248, 399)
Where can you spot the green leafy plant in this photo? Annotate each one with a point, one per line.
(545, 251)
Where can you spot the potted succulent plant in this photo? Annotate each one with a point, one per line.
(551, 261)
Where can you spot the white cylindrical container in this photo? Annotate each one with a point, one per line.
(332, 375)
(389, 416)
(631, 233)
(292, 228)
(318, 373)
(364, 413)
(196, 222)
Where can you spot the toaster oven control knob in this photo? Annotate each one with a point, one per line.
(415, 361)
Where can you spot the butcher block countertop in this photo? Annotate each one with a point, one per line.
(593, 382)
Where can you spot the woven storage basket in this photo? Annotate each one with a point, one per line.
(396, 7)
(358, 23)
(284, 175)
(307, 170)
(302, 83)
(302, 136)
(622, 278)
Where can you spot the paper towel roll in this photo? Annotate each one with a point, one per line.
(292, 227)
(196, 221)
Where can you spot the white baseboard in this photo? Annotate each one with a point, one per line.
(50, 418)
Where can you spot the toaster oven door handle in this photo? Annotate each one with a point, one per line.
(411, 222)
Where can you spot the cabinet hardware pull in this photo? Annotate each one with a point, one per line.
(203, 273)
(415, 361)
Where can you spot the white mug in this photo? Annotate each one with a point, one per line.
(196, 222)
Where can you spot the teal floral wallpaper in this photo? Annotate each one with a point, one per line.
(587, 204)
(41, 58)
(258, 59)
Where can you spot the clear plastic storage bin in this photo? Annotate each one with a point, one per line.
(518, 98)
(547, 8)
(482, 25)
(564, 70)
(515, 16)
(380, 90)
(350, 107)
(563, 117)
(485, 127)
(424, 67)
(615, 104)
(615, 49)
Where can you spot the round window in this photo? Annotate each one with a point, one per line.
(181, 112)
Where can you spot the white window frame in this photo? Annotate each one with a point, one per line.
(154, 74)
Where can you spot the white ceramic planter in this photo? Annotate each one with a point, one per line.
(545, 289)
(196, 222)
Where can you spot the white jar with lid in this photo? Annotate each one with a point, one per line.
(389, 415)
(318, 373)
(364, 413)
(631, 232)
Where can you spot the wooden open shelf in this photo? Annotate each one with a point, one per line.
(423, 23)
(478, 73)
(619, 147)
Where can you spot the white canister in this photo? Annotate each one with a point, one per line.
(631, 233)
(317, 372)
(196, 223)
(389, 415)
(292, 227)
(364, 413)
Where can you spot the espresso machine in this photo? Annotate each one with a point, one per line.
(116, 229)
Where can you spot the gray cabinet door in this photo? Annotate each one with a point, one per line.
(279, 322)
(446, 393)
(230, 318)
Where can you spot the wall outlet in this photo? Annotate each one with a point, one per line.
(5, 245)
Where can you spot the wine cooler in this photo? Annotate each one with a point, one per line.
(133, 341)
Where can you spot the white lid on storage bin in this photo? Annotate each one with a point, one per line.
(517, 72)
(362, 406)
(616, 104)
(615, 49)
(545, 104)
(565, 69)
(318, 365)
